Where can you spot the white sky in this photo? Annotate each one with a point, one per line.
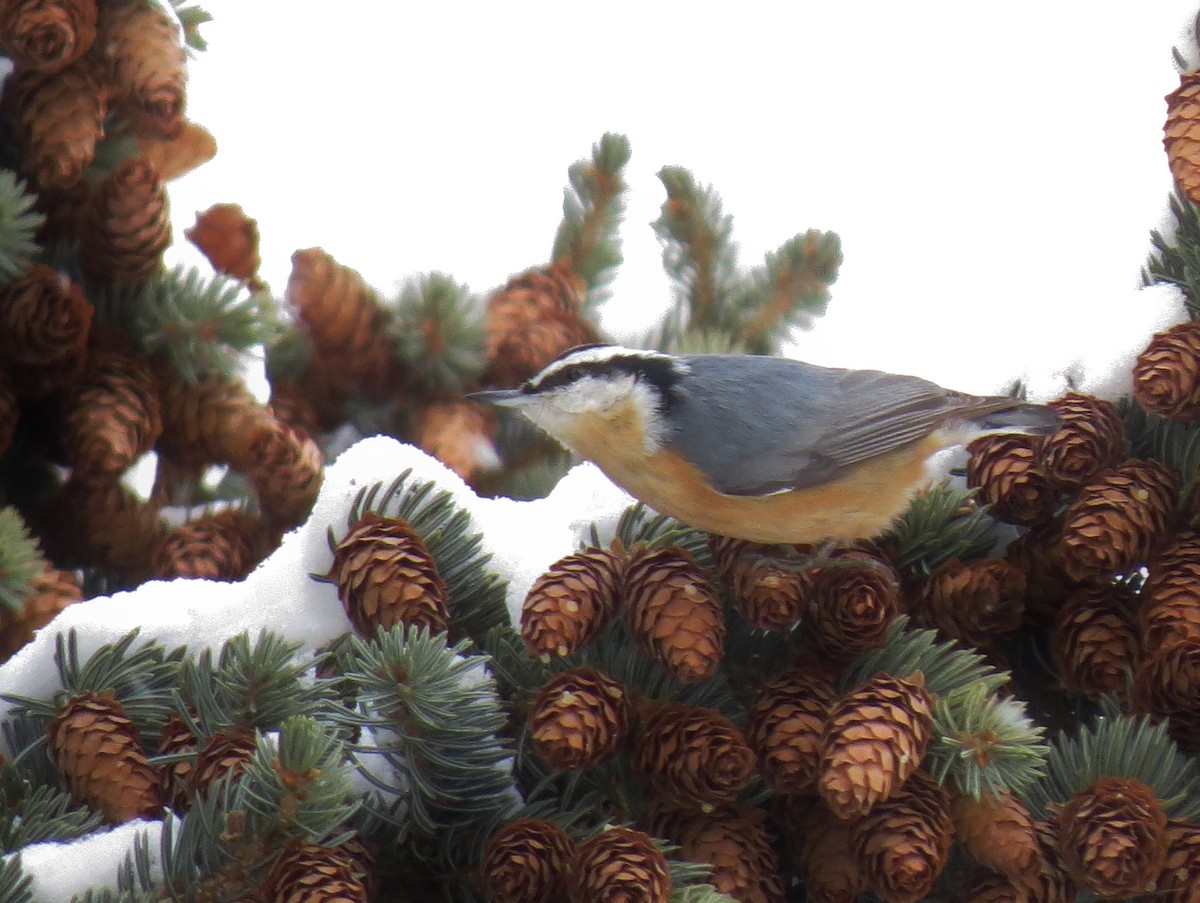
(993, 171)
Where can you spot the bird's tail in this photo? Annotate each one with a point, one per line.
(1019, 417)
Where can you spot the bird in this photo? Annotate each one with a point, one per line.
(756, 447)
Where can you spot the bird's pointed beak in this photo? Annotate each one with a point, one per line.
(505, 398)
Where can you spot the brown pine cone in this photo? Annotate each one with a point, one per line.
(874, 740)
(175, 777)
(1119, 520)
(768, 597)
(1181, 134)
(229, 239)
(903, 843)
(141, 48)
(1091, 439)
(312, 873)
(224, 753)
(526, 862)
(1179, 881)
(110, 418)
(1184, 728)
(459, 434)
(51, 592)
(1168, 679)
(530, 321)
(824, 859)
(48, 35)
(618, 865)
(127, 225)
(1095, 642)
(177, 156)
(345, 321)
(983, 885)
(568, 605)
(1039, 553)
(998, 831)
(1011, 479)
(974, 601)
(109, 526)
(693, 756)
(221, 545)
(580, 717)
(287, 470)
(214, 421)
(293, 408)
(96, 748)
(386, 575)
(45, 321)
(851, 607)
(1113, 838)
(1166, 376)
(10, 413)
(784, 729)
(744, 863)
(1170, 597)
(673, 613)
(59, 118)
(65, 211)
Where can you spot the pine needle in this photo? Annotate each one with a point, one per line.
(19, 223)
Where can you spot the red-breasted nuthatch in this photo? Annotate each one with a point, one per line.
(754, 447)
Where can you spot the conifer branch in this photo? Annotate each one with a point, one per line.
(438, 333)
(20, 560)
(1178, 263)
(1175, 443)
(790, 289)
(32, 813)
(14, 883)
(19, 223)
(593, 206)
(941, 524)
(639, 524)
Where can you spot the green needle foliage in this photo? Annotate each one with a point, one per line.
(14, 883)
(1175, 443)
(435, 720)
(191, 17)
(438, 330)
(32, 813)
(941, 524)
(20, 561)
(593, 207)
(1178, 262)
(1121, 746)
(18, 226)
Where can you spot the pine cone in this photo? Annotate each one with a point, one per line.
(386, 575)
(571, 602)
(127, 225)
(1090, 439)
(1039, 553)
(533, 319)
(229, 239)
(51, 592)
(1168, 679)
(983, 885)
(693, 756)
(1095, 642)
(824, 859)
(1113, 838)
(744, 863)
(526, 862)
(96, 749)
(673, 613)
(784, 729)
(222, 545)
(874, 739)
(141, 48)
(580, 718)
(1118, 520)
(974, 601)
(45, 321)
(223, 754)
(1166, 376)
(177, 156)
(312, 873)
(10, 413)
(59, 118)
(48, 35)
(110, 418)
(345, 321)
(214, 421)
(109, 526)
(459, 434)
(998, 831)
(1181, 134)
(175, 777)
(287, 469)
(1170, 597)
(618, 865)
(771, 598)
(1179, 881)
(1008, 471)
(852, 606)
(904, 842)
